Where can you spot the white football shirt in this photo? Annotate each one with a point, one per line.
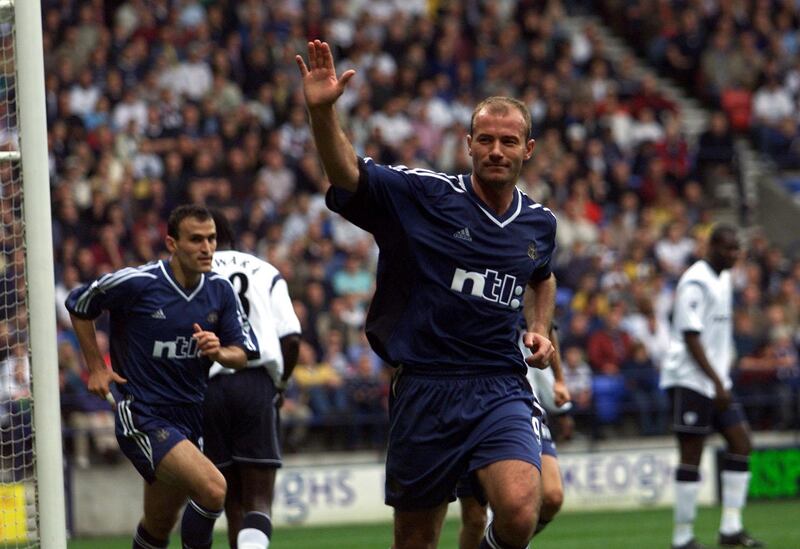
(265, 298)
(703, 304)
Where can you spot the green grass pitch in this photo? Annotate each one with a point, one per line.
(777, 523)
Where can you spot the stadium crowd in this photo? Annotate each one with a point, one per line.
(152, 103)
(741, 57)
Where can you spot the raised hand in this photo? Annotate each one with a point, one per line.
(320, 85)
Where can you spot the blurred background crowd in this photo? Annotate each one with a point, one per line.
(740, 56)
(153, 103)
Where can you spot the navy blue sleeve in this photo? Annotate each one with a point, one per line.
(114, 291)
(546, 248)
(233, 328)
(382, 195)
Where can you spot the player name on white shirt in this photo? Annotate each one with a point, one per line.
(265, 298)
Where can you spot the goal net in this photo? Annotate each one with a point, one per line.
(18, 510)
(21, 478)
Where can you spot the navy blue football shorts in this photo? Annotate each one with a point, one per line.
(147, 433)
(241, 420)
(548, 444)
(695, 413)
(468, 485)
(444, 426)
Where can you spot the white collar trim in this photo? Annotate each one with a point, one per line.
(178, 287)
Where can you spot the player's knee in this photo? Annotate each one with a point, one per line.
(217, 491)
(741, 447)
(212, 494)
(518, 522)
(551, 502)
(415, 538)
(474, 523)
(473, 516)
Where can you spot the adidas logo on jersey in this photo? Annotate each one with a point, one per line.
(463, 234)
(159, 314)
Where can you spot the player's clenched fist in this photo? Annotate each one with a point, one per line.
(542, 349)
(207, 342)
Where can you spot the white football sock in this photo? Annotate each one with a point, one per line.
(685, 511)
(734, 496)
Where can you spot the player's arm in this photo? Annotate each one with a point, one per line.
(230, 356)
(233, 341)
(538, 305)
(690, 303)
(560, 392)
(290, 349)
(695, 348)
(112, 292)
(322, 89)
(287, 326)
(100, 377)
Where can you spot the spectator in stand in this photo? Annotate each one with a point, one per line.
(353, 279)
(673, 150)
(648, 97)
(89, 418)
(15, 410)
(785, 354)
(320, 385)
(578, 379)
(610, 346)
(641, 383)
(717, 67)
(771, 105)
(365, 389)
(69, 281)
(685, 48)
(715, 152)
(674, 250)
(577, 331)
(783, 145)
(608, 397)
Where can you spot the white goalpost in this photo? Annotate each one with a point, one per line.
(32, 505)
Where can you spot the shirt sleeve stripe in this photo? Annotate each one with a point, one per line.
(104, 284)
(428, 173)
(277, 278)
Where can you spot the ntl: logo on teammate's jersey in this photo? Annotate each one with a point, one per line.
(181, 347)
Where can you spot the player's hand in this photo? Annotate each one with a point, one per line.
(560, 393)
(100, 380)
(566, 426)
(320, 85)
(541, 349)
(722, 400)
(207, 342)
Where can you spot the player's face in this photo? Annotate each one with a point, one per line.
(498, 147)
(725, 253)
(194, 248)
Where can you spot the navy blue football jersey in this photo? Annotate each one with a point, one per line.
(451, 274)
(151, 323)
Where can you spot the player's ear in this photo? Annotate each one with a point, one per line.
(529, 148)
(469, 144)
(171, 244)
